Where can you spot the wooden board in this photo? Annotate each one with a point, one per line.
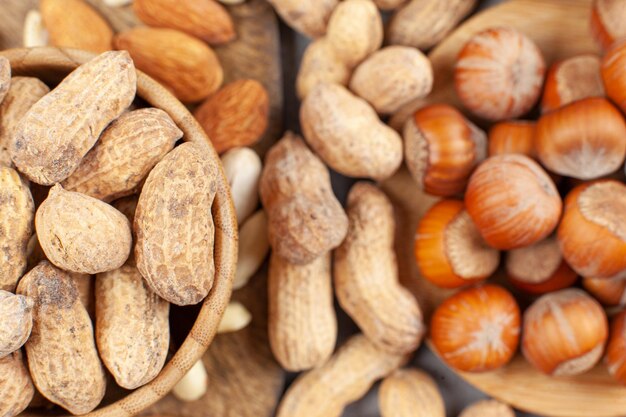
(254, 54)
(561, 29)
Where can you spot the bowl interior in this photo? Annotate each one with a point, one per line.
(53, 64)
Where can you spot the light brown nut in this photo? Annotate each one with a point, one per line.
(193, 385)
(204, 19)
(308, 17)
(132, 327)
(320, 64)
(253, 248)
(35, 33)
(24, 92)
(355, 30)
(389, 4)
(58, 130)
(408, 393)
(236, 317)
(242, 167)
(366, 274)
(190, 68)
(62, 355)
(347, 134)
(5, 77)
(237, 115)
(81, 234)
(75, 24)
(17, 321)
(346, 377)
(392, 77)
(85, 285)
(16, 387)
(302, 321)
(17, 211)
(174, 226)
(423, 24)
(126, 152)
(488, 408)
(305, 218)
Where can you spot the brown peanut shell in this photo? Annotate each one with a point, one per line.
(132, 327)
(16, 312)
(302, 321)
(174, 226)
(16, 387)
(61, 350)
(81, 234)
(305, 218)
(17, 210)
(58, 130)
(126, 152)
(5, 77)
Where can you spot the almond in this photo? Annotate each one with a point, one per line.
(237, 115)
(184, 64)
(204, 19)
(126, 152)
(58, 130)
(24, 92)
(75, 24)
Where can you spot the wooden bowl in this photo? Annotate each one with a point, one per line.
(561, 29)
(53, 64)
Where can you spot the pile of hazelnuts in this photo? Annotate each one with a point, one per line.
(547, 195)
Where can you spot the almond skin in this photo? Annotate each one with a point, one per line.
(58, 130)
(16, 387)
(237, 115)
(82, 234)
(184, 64)
(174, 226)
(126, 152)
(75, 24)
(23, 93)
(204, 19)
(62, 355)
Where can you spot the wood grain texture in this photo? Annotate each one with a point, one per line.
(255, 53)
(561, 29)
(244, 378)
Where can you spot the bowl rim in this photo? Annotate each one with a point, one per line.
(36, 61)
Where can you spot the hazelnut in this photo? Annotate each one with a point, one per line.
(539, 268)
(607, 21)
(609, 291)
(477, 329)
(515, 136)
(585, 139)
(592, 233)
(442, 148)
(564, 332)
(488, 408)
(512, 201)
(572, 79)
(449, 250)
(615, 358)
(499, 74)
(614, 74)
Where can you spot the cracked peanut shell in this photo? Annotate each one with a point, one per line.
(174, 225)
(61, 350)
(82, 234)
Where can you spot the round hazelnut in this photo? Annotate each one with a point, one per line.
(449, 251)
(514, 136)
(564, 332)
(609, 291)
(442, 148)
(477, 329)
(607, 21)
(512, 201)
(499, 74)
(614, 74)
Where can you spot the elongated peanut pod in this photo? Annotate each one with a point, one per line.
(408, 393)
(346, 377)
(366, 274)
(302, 322)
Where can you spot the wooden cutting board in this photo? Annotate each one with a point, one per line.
(254, 54)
